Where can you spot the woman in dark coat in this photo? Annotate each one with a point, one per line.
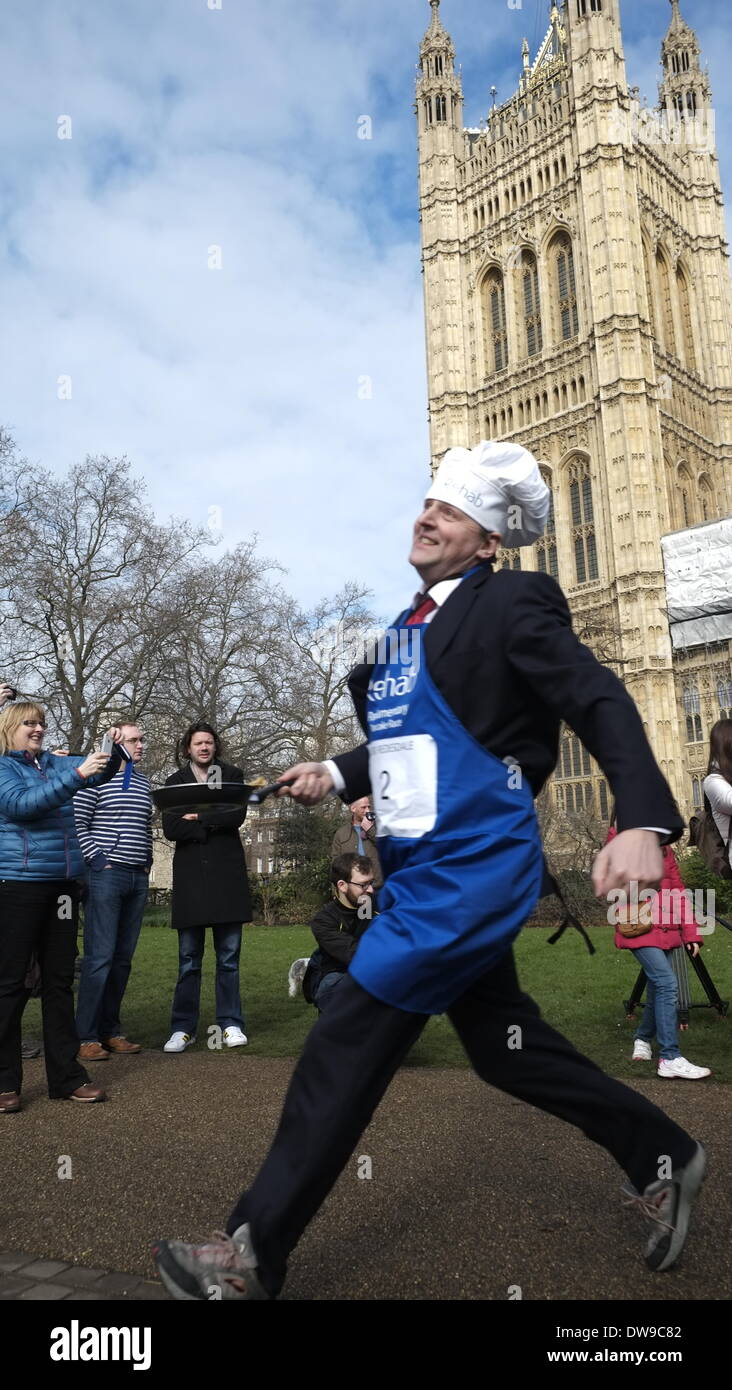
(210, 889)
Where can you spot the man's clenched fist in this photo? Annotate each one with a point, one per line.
(633, 856)
(307, 783)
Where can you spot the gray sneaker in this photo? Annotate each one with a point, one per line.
(667, 1203)
(225, 1267)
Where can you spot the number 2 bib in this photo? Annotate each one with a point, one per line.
(457, 838)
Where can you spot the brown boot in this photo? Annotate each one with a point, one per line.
(121, 1044)
(9, 1102)
(87, 1093)
(92, 1052)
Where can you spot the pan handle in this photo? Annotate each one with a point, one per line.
(261, 793)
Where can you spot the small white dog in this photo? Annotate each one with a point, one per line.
(296, 975)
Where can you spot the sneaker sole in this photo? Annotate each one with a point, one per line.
(666, 1255)
(664, 1076)
(185, 1288)
(179, 1285)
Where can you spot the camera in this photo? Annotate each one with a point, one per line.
(369, 816)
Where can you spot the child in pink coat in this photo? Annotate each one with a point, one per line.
(672, 925)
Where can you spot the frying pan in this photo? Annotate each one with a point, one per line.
(195, 796)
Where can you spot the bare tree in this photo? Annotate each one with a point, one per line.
(325, 643)
(93, 594)
(15, 505)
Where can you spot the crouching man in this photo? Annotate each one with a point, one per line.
(339, 926)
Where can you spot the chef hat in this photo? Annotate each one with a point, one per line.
(499, 486)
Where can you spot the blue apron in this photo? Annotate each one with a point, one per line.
(458, 841)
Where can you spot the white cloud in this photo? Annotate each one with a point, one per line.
(236, 387)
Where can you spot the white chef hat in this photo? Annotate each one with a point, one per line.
(497, 484)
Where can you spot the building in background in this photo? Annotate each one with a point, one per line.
(577, 300)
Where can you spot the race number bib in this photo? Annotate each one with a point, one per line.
(404, 785)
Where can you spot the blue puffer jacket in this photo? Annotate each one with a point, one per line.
(37, 831)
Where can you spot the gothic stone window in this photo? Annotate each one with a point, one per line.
(510, 559)
(440, 108)
(494, 322)
(649, 287)
(667, 316)
(686, 510)
(574, 760)
(696, 793)
(706, 498)
(566, 287)
(724, 695)
(692, 710)
(682, 286)
(575, 792)
(532, 307)
(546, 548)
(583, 521)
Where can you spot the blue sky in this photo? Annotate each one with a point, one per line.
(240, 393)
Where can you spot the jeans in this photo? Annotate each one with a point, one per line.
(40, 917)
(660, 1015)
(187, 998)
(324, 992)
(112, 921)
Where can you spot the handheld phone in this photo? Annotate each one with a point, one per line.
(107, 744)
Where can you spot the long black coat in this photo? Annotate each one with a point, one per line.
(210, 884)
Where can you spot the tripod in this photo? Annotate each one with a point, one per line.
(679, 958)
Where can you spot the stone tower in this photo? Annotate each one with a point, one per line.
(578, 300)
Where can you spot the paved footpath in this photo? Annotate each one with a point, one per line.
(456, 1192)
(27, 1278)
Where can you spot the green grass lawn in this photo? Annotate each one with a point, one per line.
(579, 994)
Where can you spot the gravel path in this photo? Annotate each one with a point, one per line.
(470, 1192)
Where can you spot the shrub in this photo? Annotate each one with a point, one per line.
(695, 874)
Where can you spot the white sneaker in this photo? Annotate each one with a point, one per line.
(233, 1037)
(178, 1042)
(679, 1067)
(641, 1051)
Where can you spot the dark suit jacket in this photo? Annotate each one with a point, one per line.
(502, 652)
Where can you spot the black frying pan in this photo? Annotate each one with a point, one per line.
(195, 796)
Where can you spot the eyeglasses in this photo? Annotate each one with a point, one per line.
(354, 884)
(34, 724)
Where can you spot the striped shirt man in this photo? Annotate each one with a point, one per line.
(114, 821)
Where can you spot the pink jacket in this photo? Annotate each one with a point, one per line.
(671, 911)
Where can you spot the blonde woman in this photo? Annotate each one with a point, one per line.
(40, 863)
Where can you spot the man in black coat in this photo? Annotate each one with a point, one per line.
(500, 669)
(210, 890)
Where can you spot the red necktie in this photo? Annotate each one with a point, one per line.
(427, 605)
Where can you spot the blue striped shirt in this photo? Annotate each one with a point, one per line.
(115, 826)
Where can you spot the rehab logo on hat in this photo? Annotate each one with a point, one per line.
(499, 486)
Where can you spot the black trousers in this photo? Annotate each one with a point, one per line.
(349, 1059)
(40, 917)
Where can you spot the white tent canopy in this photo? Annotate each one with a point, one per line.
(698, 568)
